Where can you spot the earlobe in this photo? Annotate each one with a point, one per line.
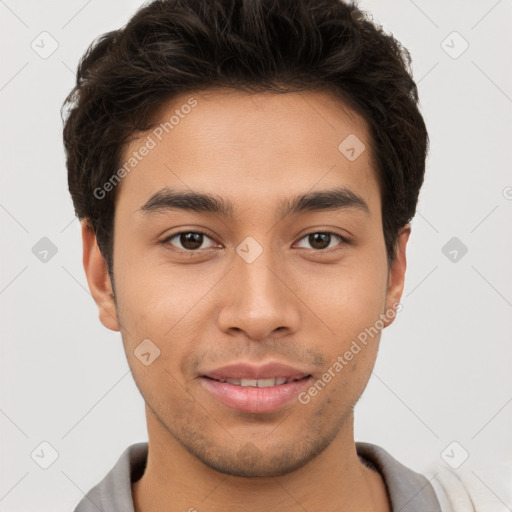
(98, 279)
(396, 277)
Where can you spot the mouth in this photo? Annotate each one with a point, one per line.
(259, 383)
(256, 395)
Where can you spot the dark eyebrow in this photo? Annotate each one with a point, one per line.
(167, 199)
(333, 199)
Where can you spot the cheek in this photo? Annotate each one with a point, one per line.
(349, 302)
(167, 309)
(153, 327)
(347, 299)
(155, 297)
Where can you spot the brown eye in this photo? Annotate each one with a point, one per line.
(189, 240)
(321, 240)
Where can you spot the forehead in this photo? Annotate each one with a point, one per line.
(249, 148)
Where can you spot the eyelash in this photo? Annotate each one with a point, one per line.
(344, 241)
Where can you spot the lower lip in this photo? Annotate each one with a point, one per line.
(251, 399)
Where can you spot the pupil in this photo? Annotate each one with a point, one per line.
(314, 238)
(191, 240)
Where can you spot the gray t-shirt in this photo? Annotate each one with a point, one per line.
(408, 491)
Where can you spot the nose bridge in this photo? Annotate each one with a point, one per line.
(257, 301)
(256, 268)
(258, 278)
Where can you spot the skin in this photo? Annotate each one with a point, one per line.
(210, 308)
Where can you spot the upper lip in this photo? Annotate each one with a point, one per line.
(251, 371)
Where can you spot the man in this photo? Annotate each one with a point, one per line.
(245, 172)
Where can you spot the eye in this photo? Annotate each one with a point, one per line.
(321, 240)
(190, 241)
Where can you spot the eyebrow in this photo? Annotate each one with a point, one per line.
(338, 198)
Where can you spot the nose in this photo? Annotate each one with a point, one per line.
(259, 299)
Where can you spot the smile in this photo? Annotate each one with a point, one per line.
(258, 383)
(255, 395)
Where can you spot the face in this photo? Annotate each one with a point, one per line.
(200, 289)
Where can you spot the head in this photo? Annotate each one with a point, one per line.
(290, 99)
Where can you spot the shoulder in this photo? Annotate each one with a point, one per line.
(439, 488)
(408, 490)
(486, 489)
(114, 493)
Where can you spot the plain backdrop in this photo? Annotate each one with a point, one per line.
(442, 380)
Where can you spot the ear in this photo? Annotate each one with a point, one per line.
(396, 277)
(95, 267)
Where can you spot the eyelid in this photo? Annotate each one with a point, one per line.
(343, 239)
(167, 239)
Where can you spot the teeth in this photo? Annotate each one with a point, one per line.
(264, 383)
(258, 383)
(249, 382)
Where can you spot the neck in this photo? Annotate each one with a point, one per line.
(334, 481)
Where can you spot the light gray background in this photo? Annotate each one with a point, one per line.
(443, 372)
